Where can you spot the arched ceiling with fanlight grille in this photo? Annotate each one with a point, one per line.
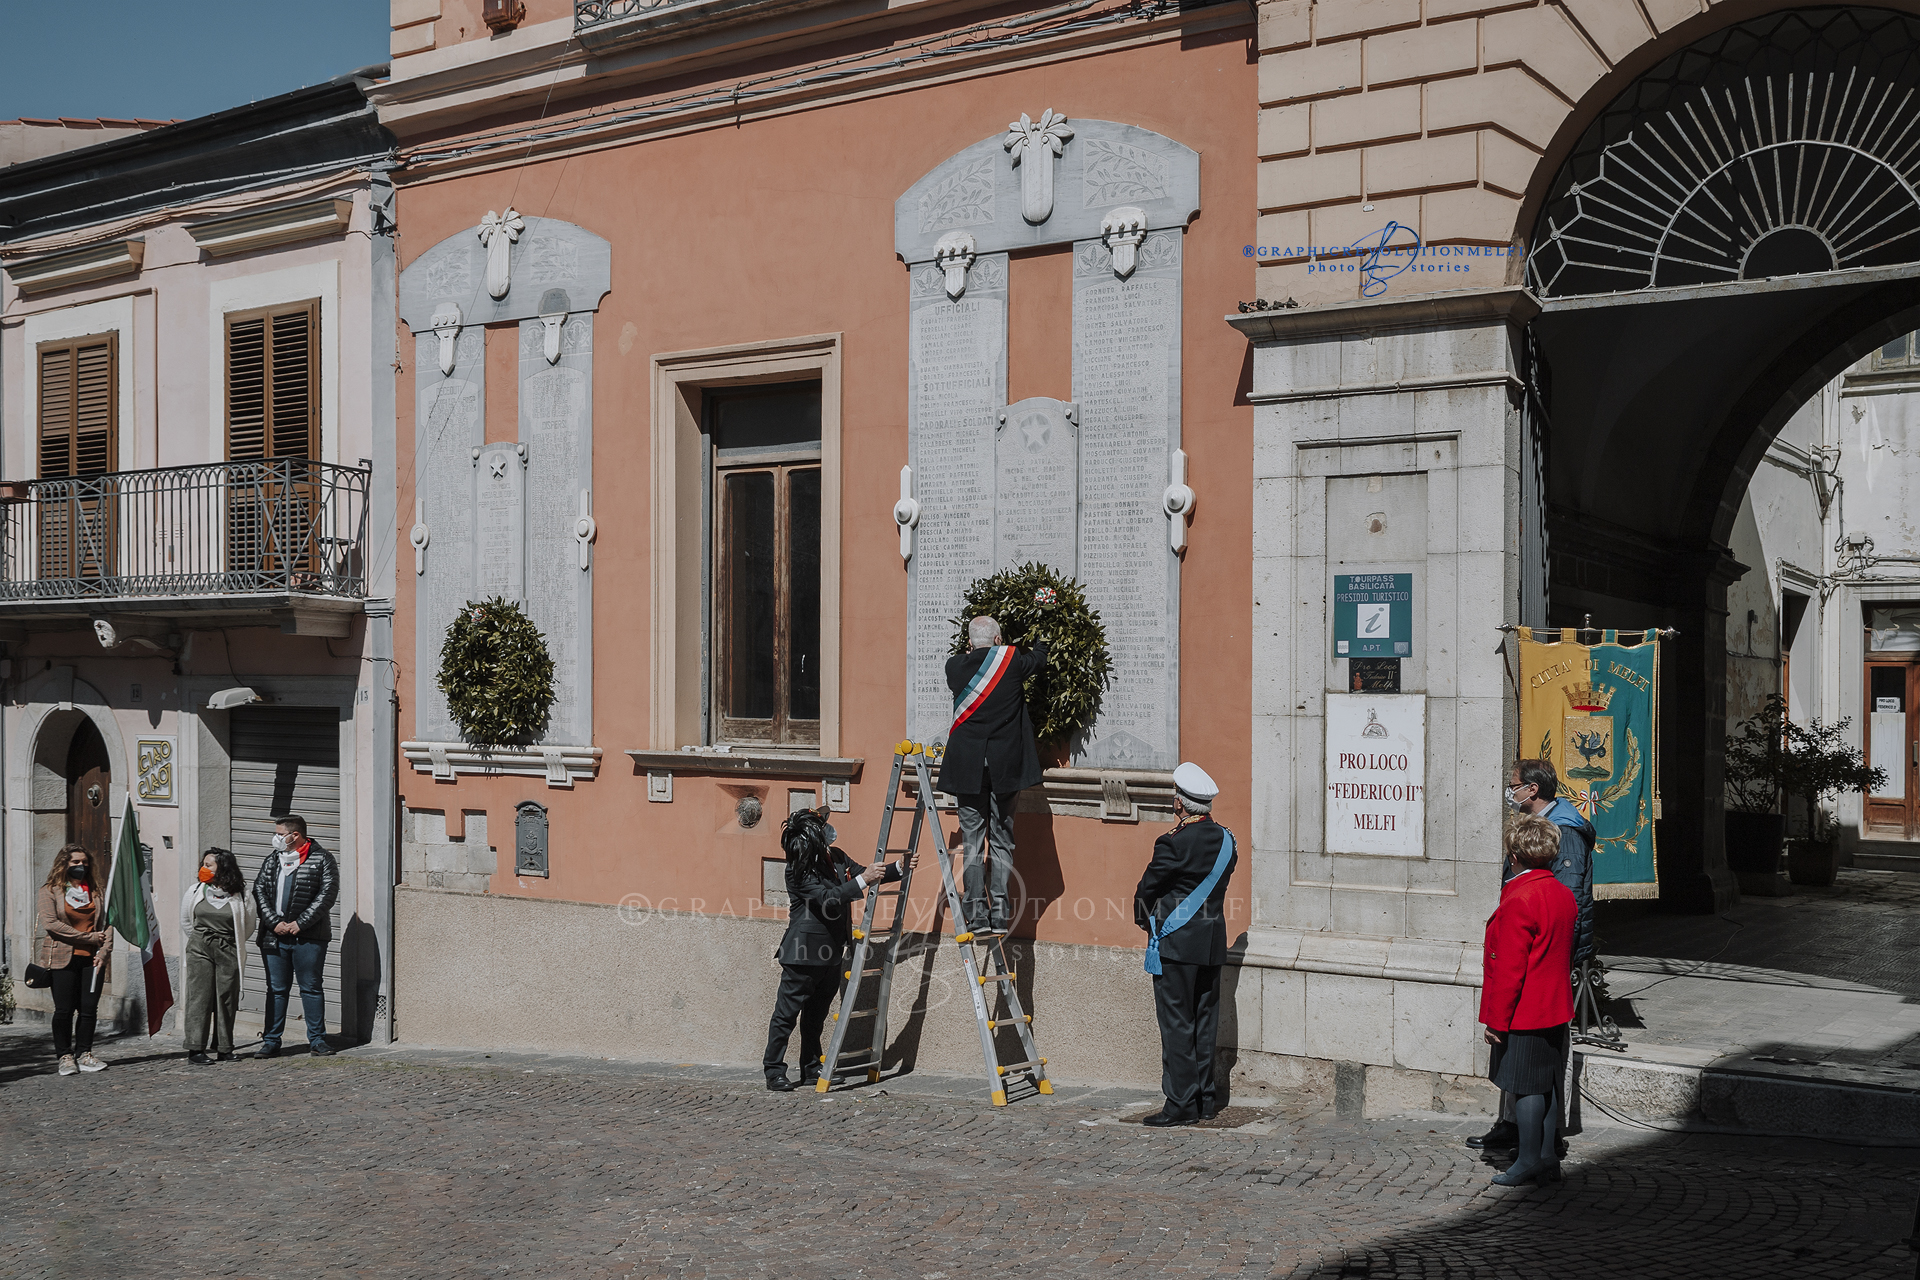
(1781, 146)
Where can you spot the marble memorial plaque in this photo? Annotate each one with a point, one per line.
(1103, 166)
(550, 254)
(556, 426)
(1126, 381)
(500, 524)
(447, 426)
(956, 387)
(1035, 464)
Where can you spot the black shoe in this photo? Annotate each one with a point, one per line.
(223, 1057)
(1503, 1136)
(779, 1084)
(1560, 1149)
(1161, 1120)
(199, 1058)
(321, 1049)
(267, 1051)
(1208, 1112)
(810, 1082)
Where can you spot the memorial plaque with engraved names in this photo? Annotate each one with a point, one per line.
(447, 425)
(499, 520)
(956, 387)
(556, 426)
(1126, 381)
(1035, 463)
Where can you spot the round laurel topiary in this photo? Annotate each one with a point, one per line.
(1033, 603)
(497, 674)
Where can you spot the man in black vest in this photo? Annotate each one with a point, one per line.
(990, 759)
(1190, 939)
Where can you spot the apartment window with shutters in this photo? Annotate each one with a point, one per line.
(79, 441)
(765, 563)
(273, 383)
(273, 417)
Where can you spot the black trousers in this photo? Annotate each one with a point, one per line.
(73, 992)
(1186, 1000)
(806, 993)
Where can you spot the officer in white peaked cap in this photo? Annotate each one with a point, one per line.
(1180, 904)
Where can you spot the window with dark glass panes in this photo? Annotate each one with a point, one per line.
(1902, 352)
(765, 566)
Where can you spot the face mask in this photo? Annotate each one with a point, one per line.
(76, 873)
(206, 875)
(833, 837)
(1513, 798)
(279, 843)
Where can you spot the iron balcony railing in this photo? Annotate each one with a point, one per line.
(223, 528)
(588, 14)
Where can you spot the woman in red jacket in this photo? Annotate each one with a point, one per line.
(1526, 996)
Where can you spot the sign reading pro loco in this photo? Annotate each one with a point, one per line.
(1377, 774)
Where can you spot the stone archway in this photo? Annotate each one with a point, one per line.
(56, 706)
(1789, 141)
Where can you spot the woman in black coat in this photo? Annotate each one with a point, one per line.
(823, 884)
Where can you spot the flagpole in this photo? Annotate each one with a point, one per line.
(113, 865)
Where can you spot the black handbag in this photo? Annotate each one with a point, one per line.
(37, 976)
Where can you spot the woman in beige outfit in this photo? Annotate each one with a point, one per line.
(75, 944)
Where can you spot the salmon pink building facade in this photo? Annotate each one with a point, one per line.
(736, 341)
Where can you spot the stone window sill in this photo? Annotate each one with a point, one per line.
(752, 764)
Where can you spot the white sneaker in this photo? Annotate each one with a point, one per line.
(66, 1065)
(90, 1063)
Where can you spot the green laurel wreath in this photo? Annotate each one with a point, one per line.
(1033, 603)
(497, 674)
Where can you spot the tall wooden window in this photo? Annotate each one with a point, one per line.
(766, 563)
(79, 438)
(273, 383)
(273, 414)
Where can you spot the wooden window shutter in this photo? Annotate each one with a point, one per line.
(273, 383)
(79, 406)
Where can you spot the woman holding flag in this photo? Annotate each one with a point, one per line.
(74, 941)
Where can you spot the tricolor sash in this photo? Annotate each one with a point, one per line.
(998, 662)
(1190, 905)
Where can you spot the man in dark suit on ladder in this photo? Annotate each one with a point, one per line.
(1180, 903)
(990, 759)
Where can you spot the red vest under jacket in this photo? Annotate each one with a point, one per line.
(1528, 965)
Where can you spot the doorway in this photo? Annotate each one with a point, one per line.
(1893, 744)
(89, 779)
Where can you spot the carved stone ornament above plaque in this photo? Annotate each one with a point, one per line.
(1100, 165)
(539, 258)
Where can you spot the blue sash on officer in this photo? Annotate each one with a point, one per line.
(1190, 907)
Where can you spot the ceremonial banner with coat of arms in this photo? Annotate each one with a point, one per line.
(1593, 711)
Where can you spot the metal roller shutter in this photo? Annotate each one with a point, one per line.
(286, 760)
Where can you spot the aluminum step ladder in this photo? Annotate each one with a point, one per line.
(838, 1061)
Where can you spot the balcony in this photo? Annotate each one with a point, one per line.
(280, 540)
(603, 25)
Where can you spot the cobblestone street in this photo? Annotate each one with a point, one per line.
(423, 1164)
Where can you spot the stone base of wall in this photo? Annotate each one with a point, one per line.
(1358, 1091)
(532, 975)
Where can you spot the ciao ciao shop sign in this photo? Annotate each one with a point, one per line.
(1377, 774)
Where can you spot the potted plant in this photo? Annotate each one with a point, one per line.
(1773, 757)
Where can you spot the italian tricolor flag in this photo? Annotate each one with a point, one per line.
(130, 914)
